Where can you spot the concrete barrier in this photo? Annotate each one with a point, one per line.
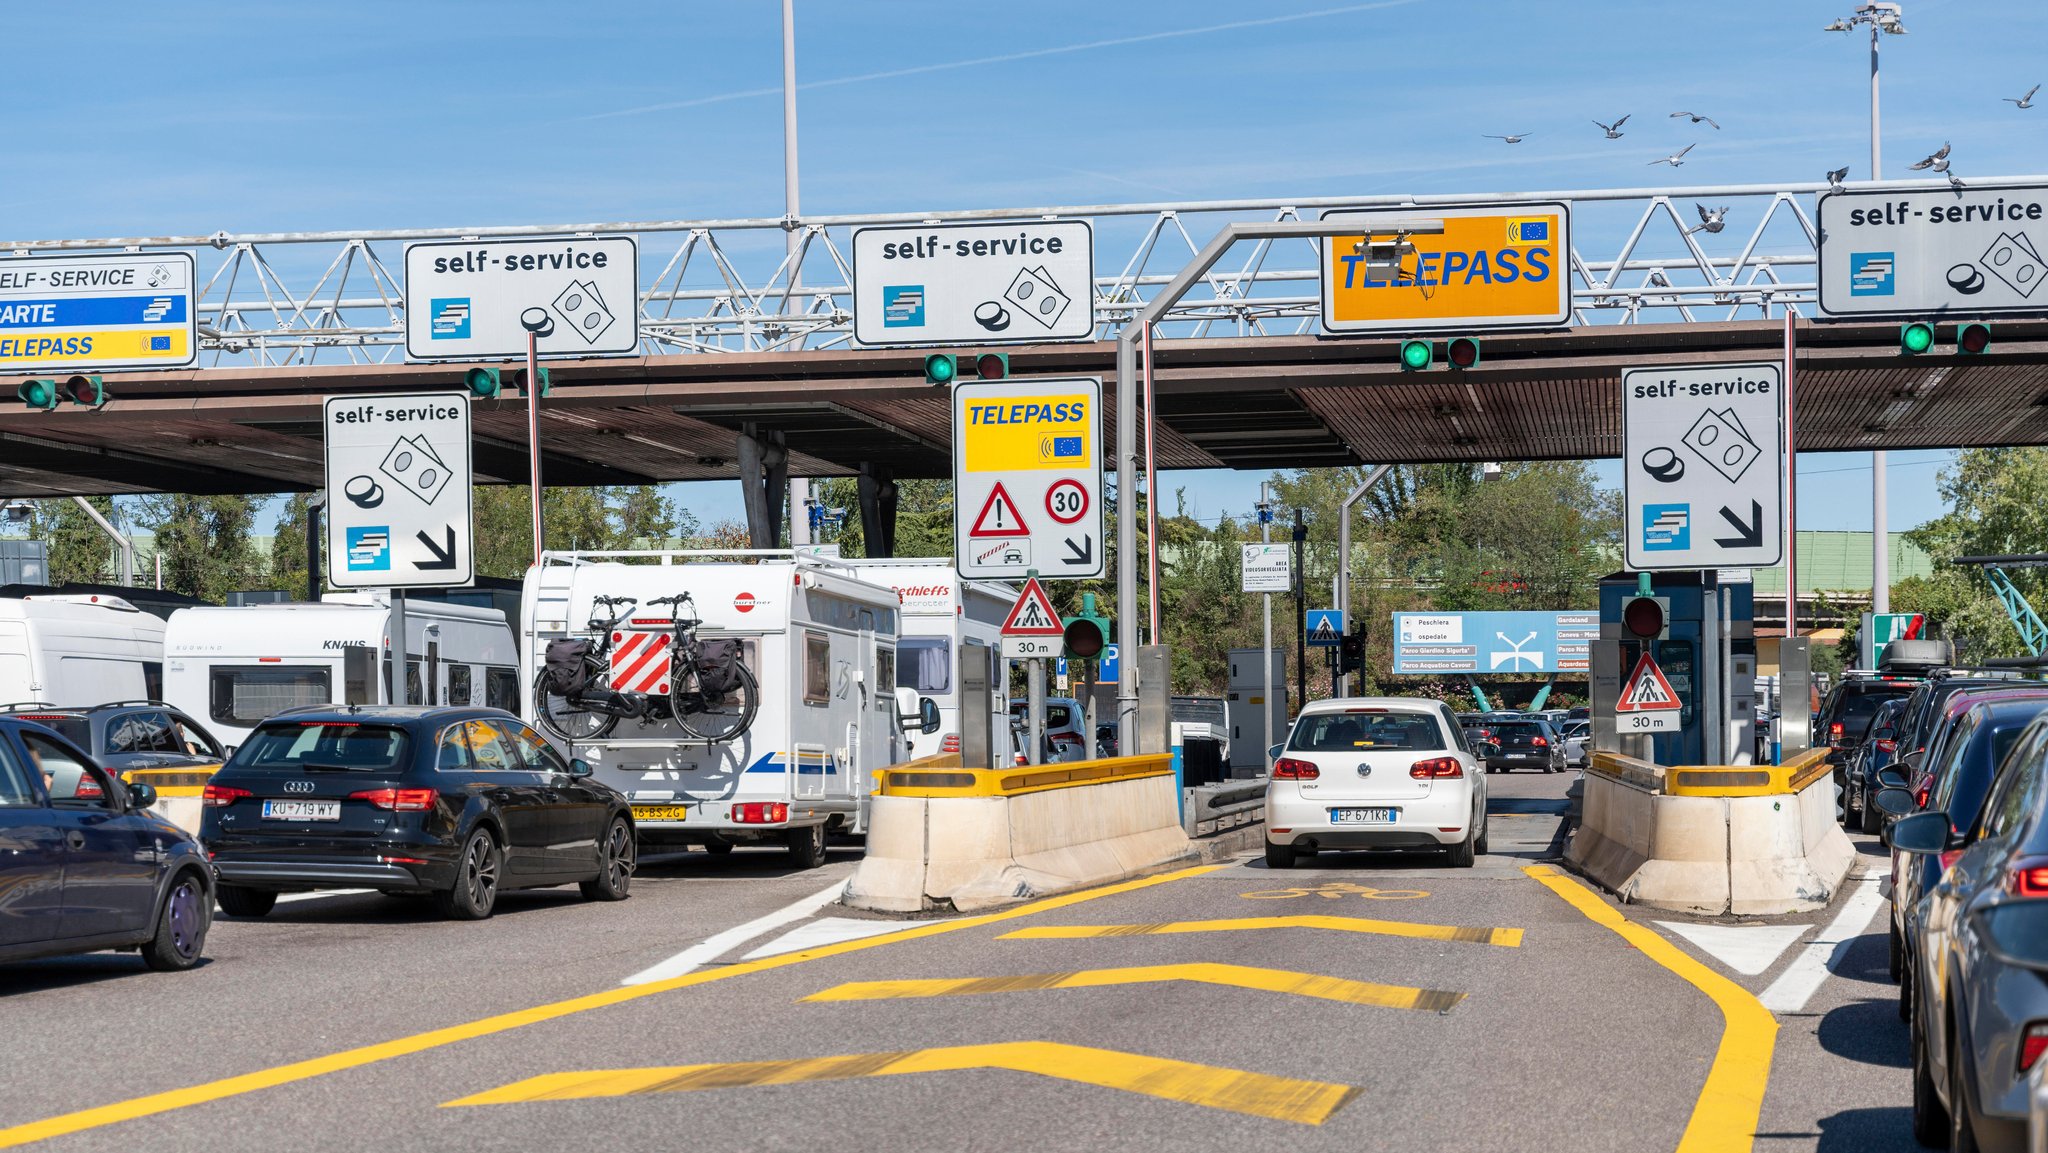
(180, 792)
(1746, 840)
(943, 836)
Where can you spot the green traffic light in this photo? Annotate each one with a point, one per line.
(1916, 338)
(39, 394)
(940, 368)
(482, 383)
(1415, 355)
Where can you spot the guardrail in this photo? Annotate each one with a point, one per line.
(1223, 805)
(1716, 780)
(925, 778)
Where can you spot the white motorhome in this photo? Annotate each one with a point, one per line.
(79, 650)
(235, 667)
(821, 641)
(947, 621)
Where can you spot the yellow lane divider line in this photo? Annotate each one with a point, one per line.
(1508, 938)
(1724, 1119)
(1233, 976)
(154, 1103)
(1237, 1090)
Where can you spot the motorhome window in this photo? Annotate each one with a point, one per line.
(244, 695)
(344, 746)
(141, 733)
(501, 689)
(14, 788)
(95, 679)
(817, 669)
(458, 685)
(153, 680)
(927, 663)
(885, 677)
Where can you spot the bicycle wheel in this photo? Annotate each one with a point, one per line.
(724, 719)
(563, 717)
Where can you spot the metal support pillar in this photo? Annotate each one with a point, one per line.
(1300, 614)
(1034, 730)
(315, 584)
(764, 477)
(878, 494)
(400, 692)
(121, 540)
(1344, 560)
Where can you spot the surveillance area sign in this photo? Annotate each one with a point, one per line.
(476, 300)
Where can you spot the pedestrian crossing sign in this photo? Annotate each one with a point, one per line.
(1647, 691)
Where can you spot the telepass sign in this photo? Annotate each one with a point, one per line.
(1493, 266)
(1027, 478)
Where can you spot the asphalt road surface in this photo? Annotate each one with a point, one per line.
(1357, 1002)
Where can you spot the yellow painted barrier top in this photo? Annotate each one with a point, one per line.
(942, 776)
(1717, 780)
(182, 781)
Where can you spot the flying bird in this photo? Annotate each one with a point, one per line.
(1955, 182)
(1710, 220)
(1697, 118)
(2026, 101)
(1677, 158)
(1613, 130)
(1836, 176)
(1938, 161)
(1515, 139)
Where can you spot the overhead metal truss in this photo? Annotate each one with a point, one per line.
(720, 286)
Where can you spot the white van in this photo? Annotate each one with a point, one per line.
(821, 643)
(79, 650)
(236, 667)
(947, 621)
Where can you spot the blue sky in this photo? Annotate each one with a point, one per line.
(261, 116)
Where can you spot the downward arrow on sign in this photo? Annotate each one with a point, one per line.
(444, 558)
(1750, 535)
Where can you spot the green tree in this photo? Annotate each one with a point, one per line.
(924, 516)
(1998, 504)
(203, 543)
(80, 551)
(288, 545)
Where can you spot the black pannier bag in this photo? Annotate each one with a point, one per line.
(717, 668)
(566, 664)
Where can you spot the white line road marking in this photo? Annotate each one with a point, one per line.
(1790, 992)
(718, 944)
(321, 894)
(1747, 949)
(823, 931)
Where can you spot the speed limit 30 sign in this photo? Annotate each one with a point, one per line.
(1066, 501)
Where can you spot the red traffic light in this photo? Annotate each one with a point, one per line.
(992, 366)
(1462, 352)
(1643, 617)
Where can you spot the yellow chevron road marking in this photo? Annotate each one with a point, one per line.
(1234, 976)
(1507, 938)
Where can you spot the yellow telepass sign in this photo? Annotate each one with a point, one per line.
(1027, 478)
(1493, 266)
(1036, 431)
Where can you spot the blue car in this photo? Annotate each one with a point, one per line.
(84, 864)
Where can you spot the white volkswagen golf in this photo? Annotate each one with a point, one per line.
(1376, 773)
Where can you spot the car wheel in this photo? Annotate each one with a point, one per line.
(237, 901)
(1462, 854)
(1962, 1138)
(475, 891)
(615, 865)
(181, 925)
(1480, 844)
(1873, 817)
(1930, 1120)
(1279, 856)
(807, 846)
(1898, 954)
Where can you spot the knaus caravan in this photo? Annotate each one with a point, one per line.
(78, 650)
(821, 642)
(947, 621)
(235, 667)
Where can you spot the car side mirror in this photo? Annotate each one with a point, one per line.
(141, 796)
(1891, 779)
(1926, 832)
(928, 719)
(580, 768)
(1893, 801)
(1915, 760)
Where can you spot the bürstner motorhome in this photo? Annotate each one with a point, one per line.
(820, 640)
(235, 667)
(79, 650)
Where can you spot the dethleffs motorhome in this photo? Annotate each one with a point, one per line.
(78, 650)
(820, 639)
(236, 667)
(947, 622)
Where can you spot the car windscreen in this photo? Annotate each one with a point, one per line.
(325, 746)
(77, 730)
(1856, 709)
(1374, 731)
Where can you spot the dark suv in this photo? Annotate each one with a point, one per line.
(1846, 715)
(1528, 743)
(457, 803)
(127, 735)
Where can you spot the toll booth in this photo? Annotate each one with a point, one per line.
(1707, 652)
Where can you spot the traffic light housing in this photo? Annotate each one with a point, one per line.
(41, 394)
(992, 365)
(1351, 652)
(1973, 339)
(1416, 355)
(1462, 352)
(1646, 618)
(86, 390)
(1915, 338)
(482, 383)
(1087, 633)
(516, 379)
(941, 368)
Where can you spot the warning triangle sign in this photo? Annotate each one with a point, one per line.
(1033, 615)
(1647, 691)
(999, 516)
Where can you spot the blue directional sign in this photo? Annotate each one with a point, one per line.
(1494, 642)
(1108, 673)
(1325, 627)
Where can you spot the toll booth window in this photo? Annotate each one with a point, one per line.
(1366, 732)
(885, 677)
(927, 663)
(501, 689)
(817, 669)
(248, 695)
(458, 685)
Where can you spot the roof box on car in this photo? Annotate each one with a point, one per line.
(1917, 654)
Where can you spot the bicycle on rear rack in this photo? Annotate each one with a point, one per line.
(712, 695)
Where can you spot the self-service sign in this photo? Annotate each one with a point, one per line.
(974, 284)
(1027, 478)
(1492, 267)
(1970, 251)
(1703, 466)
(469, 300)
(398, 491)
(134, 310)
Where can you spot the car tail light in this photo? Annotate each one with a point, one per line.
(1887, 745)
(217, 796)
(2033, 1043)
(1065, 738)
(1835, 733)
(951, 744)
(2027, 877)
(1436, 768)
(87, 789)
(398, 800)
(1289, 769)
(1539, 742)
(1920, 794)
(760, 813)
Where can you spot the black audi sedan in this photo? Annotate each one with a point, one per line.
(457, 803)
